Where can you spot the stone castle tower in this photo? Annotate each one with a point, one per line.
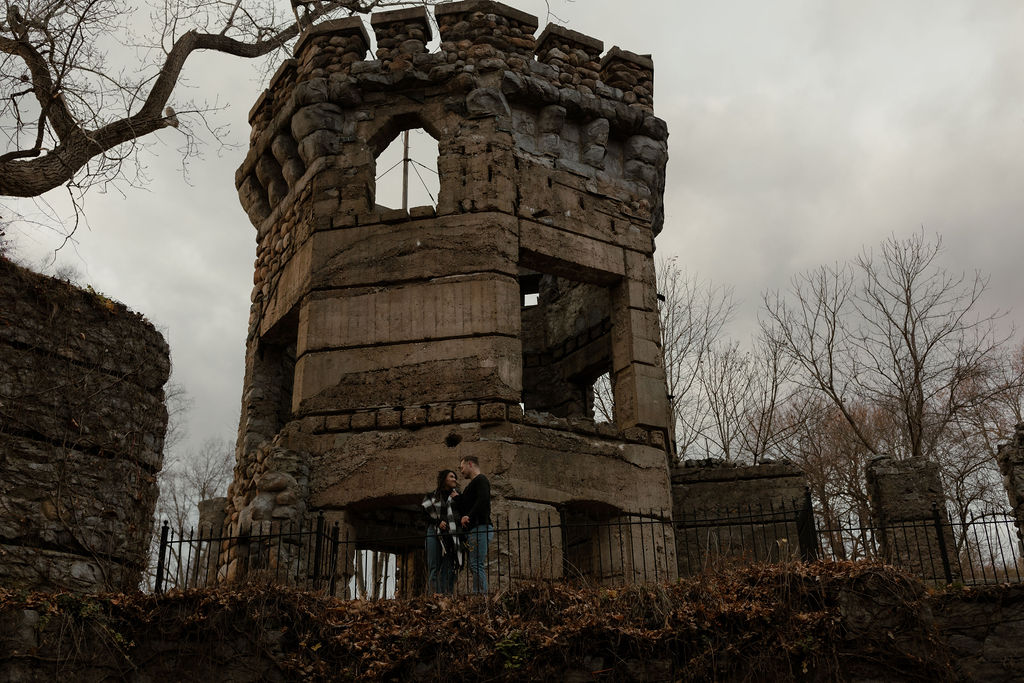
(386, 344)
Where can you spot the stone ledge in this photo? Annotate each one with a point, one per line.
(461, 412)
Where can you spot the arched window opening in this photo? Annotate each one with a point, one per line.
(407, 175)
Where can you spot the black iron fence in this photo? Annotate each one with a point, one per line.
(626, 549)
(300, 555)
(752, 533)
(619, 550)
(981, 549)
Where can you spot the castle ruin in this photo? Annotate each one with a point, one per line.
(385, 344)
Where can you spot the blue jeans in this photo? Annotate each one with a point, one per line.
(440, 572)
(478, 539)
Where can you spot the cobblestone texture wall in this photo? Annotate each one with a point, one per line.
(82, 423)
(385, 344)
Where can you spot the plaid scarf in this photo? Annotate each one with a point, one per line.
(440, 509)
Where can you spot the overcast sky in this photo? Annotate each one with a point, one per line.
(800, 131)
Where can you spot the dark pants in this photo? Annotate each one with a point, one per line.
(478, 538)
(440, 567)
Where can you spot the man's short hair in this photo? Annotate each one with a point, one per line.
(471, 458)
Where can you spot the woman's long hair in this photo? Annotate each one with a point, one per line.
(441, 490)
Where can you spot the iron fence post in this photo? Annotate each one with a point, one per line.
(807, 533)
(318, 547)
(159, 583)
(334, 558)
(942, 543)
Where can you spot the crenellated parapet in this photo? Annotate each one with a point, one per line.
(488, 58)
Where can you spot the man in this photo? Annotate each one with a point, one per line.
(474, 506)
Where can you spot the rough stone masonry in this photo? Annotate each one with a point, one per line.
(385, 344)
(82, 422)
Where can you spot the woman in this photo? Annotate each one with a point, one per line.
(444, 547)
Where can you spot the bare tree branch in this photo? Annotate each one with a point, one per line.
(56, 41)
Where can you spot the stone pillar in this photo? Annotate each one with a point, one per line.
(1010, 457)
(631, 73)
(527, 545)
(905, 497)
(211, 525)
(725, 510)
(641, 398)
(211, 515)
(635, 549)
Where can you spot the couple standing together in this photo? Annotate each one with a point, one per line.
(459, 529)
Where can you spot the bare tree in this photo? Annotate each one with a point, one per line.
(724, 378)
(693, 313)
(68, 116)
(900, 350)
(768, 389)
(818, 439)
(743, 392)
(897, 332)
(192, 477)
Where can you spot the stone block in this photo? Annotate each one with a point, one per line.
(556, 250)
(715, 489)
(466, 412)
(476, 368)
(640, 267)
(641, 295)
(635, 338)
(635, 435)
(450, 245)
(493, 412)
(338, 423)
(414, 417)
(439, 413)
(422, 212)
(389, 418)
(322, 116)
(487, 102)
(415, 312)
(552, 119)
(364, 419)
(641, 397)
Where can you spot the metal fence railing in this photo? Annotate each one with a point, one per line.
(984, 549)
(299, 555)
(616, 550)
(626, 549)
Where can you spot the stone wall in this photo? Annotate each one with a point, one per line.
(82, 423)
(906, 500)
(724, 510)
(1010, 457)
(385, 344)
